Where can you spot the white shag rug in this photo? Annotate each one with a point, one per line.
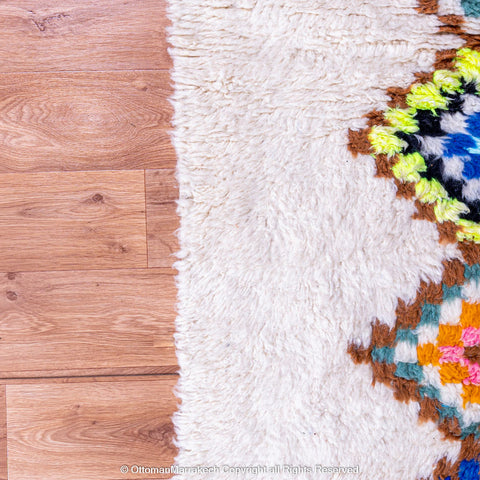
(290, 246)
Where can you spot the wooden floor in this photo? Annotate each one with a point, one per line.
(87, 221)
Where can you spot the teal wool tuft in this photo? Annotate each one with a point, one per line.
(471, 8)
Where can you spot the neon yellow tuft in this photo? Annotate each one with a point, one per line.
(449, 209)
(429, 191)
(384, 140)
(468, 64)
(469, 231)
(449, 81)
(408, 167)
(426, 97)
(402, 119)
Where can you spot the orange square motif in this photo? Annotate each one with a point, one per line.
(428, 354)
(453, 373)
(470, 316)
(449, 336)
(471, 393)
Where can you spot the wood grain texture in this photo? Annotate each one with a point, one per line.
(88, 431)
(63, 35)
(86, 344)
(87, 322)
(80, 220)
(85, 121)
(85, 379)
(161, 191)
(3, 434)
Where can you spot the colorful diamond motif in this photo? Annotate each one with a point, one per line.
(440, 353)
(434, 143)
(428, 142)
(455, 352)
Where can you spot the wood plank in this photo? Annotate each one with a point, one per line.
(82, 372)
(47, 35)
(85, 121)
(161, 191)
(80, 220)
(85, 379)
(3, 434)
(87, 322)
(88, 431)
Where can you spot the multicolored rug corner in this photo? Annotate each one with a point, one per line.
(329, 170)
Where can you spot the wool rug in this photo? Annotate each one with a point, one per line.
(329, 301)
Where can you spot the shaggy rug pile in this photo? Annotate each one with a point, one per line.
(329, 171)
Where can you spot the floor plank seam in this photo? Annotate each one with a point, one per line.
(40, 72)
